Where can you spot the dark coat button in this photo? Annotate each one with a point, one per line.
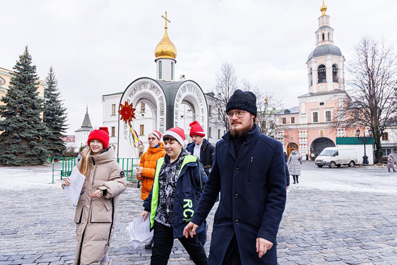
(236, 195)
(237, 169)
(236, 221)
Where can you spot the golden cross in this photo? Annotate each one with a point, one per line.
(165, 18)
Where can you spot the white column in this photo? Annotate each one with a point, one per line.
(314, 75)
(341, 73)
(329, 73)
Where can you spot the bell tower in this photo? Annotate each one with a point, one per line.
(325, 64)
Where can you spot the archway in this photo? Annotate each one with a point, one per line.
(291, 146)
(169, 104)
(190, 104)
(318, 145)
(148, 91)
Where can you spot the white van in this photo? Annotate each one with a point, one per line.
(337, 156)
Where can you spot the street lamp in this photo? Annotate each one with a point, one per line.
(364, 140)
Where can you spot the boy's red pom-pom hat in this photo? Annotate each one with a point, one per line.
(157, 134)
(196, 129)
(177, 133)
(102, 134)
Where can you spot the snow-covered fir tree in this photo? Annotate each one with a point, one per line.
(54, 116)
(22, 128)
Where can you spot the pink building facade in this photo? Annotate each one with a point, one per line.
(309, 127)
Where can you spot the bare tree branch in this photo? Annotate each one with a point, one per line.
(372, 103)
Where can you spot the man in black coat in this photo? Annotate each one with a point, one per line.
(204, 150)
(249, 170)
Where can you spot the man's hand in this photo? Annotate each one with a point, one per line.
(144, 214)
(262, 246)
(190, 229)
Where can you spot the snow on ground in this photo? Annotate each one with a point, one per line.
(358, 179)
(23, 178)
(372, 179)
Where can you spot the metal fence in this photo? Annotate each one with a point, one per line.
(63, 166)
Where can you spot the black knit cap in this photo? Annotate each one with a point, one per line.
(242, 100)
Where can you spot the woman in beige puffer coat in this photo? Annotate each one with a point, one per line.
(96, 210)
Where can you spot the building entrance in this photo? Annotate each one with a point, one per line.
(318, 145)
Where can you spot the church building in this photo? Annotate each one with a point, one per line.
(161, 103)
(309, 127)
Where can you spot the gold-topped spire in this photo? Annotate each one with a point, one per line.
(165, 48)
(323, 9)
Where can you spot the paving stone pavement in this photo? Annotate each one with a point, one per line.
(333, 216)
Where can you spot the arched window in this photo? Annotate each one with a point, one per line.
(335, 73)
(160, 70)
(322, 75)
(310, 77)
(172, 70)
(323, 36)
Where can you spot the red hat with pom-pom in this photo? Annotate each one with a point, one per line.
(177, 133)
(102, 134)
(196, 129)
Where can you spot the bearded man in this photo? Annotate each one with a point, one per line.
(249, 172)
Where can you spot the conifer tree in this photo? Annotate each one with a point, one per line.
(54, 116)
(23, 130)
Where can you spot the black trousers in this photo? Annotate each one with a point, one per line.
(163, 241)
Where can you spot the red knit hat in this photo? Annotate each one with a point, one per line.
(177, 133)
(102, 134)
(157, 134)
(196, 129)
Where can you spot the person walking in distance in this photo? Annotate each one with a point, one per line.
(147, 166)
(204, 150)
(96, 209)
(178, 183)
(294, 165)
(249, 171)
(390, 162)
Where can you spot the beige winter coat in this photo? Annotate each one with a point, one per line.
(95, 217)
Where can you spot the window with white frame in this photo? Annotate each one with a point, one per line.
(328, 117)
(386, 151)
(315, 116)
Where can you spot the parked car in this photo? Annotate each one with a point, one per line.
(336, 157)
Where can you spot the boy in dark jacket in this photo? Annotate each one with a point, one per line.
(204, 150)
(200, 147)
(178, 183)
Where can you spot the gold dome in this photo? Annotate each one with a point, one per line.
(165, 48)
(323, 9)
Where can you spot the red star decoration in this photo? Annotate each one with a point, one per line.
(127, 112)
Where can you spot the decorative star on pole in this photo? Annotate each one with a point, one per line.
(127, 112)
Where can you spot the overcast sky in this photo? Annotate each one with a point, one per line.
(99, 47)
